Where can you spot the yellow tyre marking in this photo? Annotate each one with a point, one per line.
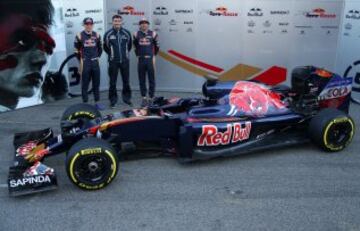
(90, 187)
(79, 113)
(72, 167)
(334, 121)
(114, 164)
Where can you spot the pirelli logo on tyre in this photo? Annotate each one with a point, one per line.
(91, 151)
(82, 113)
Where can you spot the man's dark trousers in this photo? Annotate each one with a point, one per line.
(146, 66)
(90, 72)
(114, 68)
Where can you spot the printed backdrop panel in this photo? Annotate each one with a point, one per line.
(218, 39)
(348, 55)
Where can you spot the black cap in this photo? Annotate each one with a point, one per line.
(88, 20)
(143, 20)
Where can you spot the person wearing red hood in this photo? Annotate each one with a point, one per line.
(24, 46)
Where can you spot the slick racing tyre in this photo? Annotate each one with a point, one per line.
(91, 163)
(332, 130)
(83, 111)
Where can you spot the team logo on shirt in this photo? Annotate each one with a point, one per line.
(144, 42)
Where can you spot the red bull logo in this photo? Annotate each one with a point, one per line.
(234, 133)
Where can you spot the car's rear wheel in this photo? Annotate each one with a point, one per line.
(91, 163)
(332, 130)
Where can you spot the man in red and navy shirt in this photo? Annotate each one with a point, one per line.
(146, 44)
(89, 48)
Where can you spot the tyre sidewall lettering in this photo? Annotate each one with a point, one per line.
(82, 113)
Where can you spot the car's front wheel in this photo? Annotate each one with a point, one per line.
(91, 163)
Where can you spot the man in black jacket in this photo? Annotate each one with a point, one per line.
(89, 49)
(117, 44)
(146, 44)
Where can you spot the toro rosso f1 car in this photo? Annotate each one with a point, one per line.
(230, 119)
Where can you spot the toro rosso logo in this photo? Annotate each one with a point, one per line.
(129, 10)
(222, 11)
(252, 99)
(234, 133)
(319, 13)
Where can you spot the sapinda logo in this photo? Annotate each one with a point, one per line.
(129, 10)
(30, 181)
(279, 12)
(222, 11)
(184, 11)
(234, 133)
(93, 11)
(319, 13)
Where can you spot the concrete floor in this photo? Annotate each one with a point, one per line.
(297, 188)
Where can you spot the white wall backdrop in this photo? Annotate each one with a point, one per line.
(257, 33)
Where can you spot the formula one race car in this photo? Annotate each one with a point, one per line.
(232, 118)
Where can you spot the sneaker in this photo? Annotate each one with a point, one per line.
(99, 107)
(128, 102)
(144, 102)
